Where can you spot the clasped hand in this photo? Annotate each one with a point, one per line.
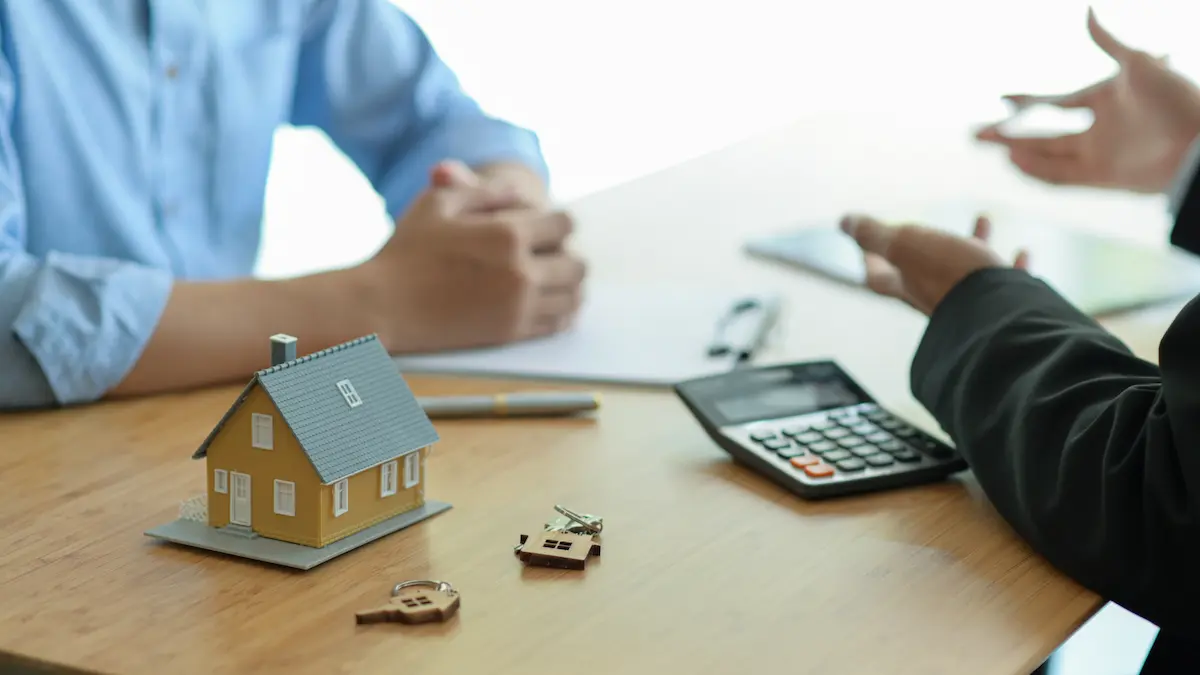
(473, 264)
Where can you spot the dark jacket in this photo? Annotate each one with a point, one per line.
(1090, 453)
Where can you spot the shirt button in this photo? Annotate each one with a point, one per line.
(172, 72)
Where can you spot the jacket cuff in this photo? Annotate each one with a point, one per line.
(87, 320)
(967, 318)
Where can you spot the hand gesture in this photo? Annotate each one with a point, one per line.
(920, 265)
(1144, 119)
(472, 265)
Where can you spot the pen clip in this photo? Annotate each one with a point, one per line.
(720, 345)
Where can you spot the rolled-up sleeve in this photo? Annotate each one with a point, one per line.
(71, 327)
(369, 78)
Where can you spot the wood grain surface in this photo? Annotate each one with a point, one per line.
(706, 567)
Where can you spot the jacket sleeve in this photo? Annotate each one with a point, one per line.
(1090, 453)
(369, 77)
(1183, 201)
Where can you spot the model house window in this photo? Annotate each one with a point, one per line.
(341, 498)
(412, 469)
(387, 479)
(261, 432)
(285, 498)
(349, 394)
(557, 545)
(221, 480)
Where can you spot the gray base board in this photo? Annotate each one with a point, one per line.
(201, 535)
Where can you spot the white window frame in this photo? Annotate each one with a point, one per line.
(285, 497)
(388, 478)
(349, 393)
(341, 497)
(412, 469)
(221, 481)
(262, 431)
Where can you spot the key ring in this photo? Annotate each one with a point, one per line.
(591, 526)
(441, 586)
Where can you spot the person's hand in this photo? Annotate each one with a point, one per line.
(1144, 119)
(471, 265)
(920, 265)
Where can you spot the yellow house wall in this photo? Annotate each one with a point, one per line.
(232, 450)
(367, 507)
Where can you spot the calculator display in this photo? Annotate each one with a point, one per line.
(784, 399)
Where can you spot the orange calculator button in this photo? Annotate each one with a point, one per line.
(819, 470)
(803, 461)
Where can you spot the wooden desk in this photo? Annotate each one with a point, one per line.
(706, 568)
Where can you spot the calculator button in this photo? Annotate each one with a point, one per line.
(852, 464)
(840, 415)
(850, 441)
(819, 470)
(906, 456)
(905, 431)
(788, 453)
(893, 446)
(890, 423)
(879, 460)
(836, 455)
(864, 428)
(776, 444)
(865, 450)
(821, 425)
(836, 433)
(809, 437)
(804, 461)
(795, 430)
(868, 408)
(878, 437)
(762, 435)
(821, 446)
(876, 415)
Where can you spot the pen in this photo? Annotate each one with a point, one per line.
(520, 404)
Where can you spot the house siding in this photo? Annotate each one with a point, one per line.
(232, 451)
(367, 507)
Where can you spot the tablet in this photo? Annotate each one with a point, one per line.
(1099, 275)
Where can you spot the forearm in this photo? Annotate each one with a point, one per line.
(217, 332)
(1082, 447)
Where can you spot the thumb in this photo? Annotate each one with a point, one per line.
(1105, 40)
(453, 173)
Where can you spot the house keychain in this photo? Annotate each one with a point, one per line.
(566, 542)
(415, 602)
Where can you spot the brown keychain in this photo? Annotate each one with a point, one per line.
(566, 542)
(415, 602)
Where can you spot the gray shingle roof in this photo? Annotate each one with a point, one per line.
(339, 440)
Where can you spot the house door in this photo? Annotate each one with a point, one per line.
(239, 498)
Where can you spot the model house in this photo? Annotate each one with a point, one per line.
(318, 448)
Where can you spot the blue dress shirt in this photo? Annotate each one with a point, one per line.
(135, 147)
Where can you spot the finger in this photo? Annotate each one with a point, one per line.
(559, 273)
(871, 235)
(882, 276)
(1055, 170)
(548, 231)
(983, 228)
(542, 327)
(1081, 98)
(1021, 262)
(1106, 41)
(453, 173)
(558, 305)
(1066, 144)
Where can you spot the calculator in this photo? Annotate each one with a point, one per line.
(813, 429)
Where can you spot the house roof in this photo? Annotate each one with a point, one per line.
(341, 440)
